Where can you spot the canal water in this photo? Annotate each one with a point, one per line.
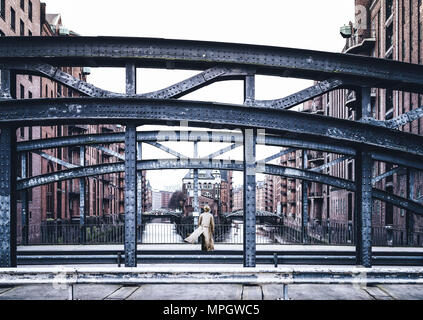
(156, 233)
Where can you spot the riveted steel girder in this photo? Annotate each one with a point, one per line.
(131, 182)
(364, 192)
(7, 197)
(397, 122)
(82, 190)
(308, 126)
(167, 150)
(232, 165)
(278, 155)
(55, 160)
(408, 161)
(330, 164)
(109, 152)
(385, 175)
(184, 54)
(364, 204)
(24, 201)
(176, 90)
(304, 199)
(249, 170)
(300, 96)
(195, 201)
(130, 196)
(151, 136)
(223, 151)
(139, 193)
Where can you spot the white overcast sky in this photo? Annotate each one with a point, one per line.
(307, 24)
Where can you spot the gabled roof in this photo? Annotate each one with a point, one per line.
(53, 18)
(207, 174)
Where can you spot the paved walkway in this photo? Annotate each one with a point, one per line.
(213, 292)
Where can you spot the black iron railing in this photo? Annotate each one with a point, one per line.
(170, 233)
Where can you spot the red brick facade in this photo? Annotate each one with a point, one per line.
(59, 201)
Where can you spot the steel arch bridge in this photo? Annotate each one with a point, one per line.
(366, 139)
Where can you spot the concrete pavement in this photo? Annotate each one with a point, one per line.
(211, 291)
(188, 292)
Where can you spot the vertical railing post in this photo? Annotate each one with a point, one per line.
(195, 198)
(139, 194)
(24, 200)
(130, 178)
(7, 197)
(82, 237)
(363, 196)
(409, 218)
(250, 139)
(304, 201)
(7, 183)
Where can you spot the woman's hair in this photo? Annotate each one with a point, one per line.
(206, 208)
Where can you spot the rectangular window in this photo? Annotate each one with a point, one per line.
(389, 100)
(389, 37)
(22, 93)
(22, 28)
(29, 95)
(29, 33)
(3, 9)
(30, 10)
(12, 19)
(389, 8)
(23, 5)
(2, 34)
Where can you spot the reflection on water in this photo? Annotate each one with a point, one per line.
(156, 233)
(160, 233)
(236, 234)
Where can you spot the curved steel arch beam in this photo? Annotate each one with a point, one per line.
(293, 124)
(300, 96)
(200, 55)
(179, 89)
(397, 201)
(161, 164)
(311, 176)
(160, 136)
(176, 90)
(213, 164)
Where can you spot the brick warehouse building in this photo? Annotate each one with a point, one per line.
(59, 202)
(215, 190)
(390, 29)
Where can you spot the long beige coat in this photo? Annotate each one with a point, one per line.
(206, 228)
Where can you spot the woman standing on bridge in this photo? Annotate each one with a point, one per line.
(205, 228)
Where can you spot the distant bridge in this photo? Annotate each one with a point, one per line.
(161, 214)
(261, 216)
